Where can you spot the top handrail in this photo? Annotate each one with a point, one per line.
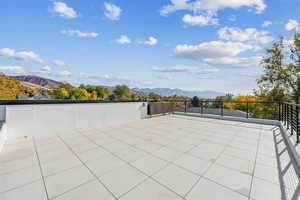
(291, 104)
(212, 101)
(55, 101)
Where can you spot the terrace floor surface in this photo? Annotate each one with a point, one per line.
(163, 158)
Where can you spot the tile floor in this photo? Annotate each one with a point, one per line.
(164, 158)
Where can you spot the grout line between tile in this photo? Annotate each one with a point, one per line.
(202, 176)
(97, 178)
(253, 171)
(41, 170)
(149, 176)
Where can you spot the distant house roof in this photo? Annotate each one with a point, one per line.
(37, 96)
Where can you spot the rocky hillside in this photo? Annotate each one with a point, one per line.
(37, 81)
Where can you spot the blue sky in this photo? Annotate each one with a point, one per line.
(187, 44)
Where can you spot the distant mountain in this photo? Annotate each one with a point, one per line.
(179, 92)
(40, 82)
(37, 81)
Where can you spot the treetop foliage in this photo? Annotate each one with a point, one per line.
(11, 88)
(282, 68)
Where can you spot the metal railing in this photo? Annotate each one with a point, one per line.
(251, 109)
(287, 113)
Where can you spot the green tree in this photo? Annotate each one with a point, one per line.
(93, 96)
(282, 68)
(295, 56)
(102, 92)
(273, 95)
(219, 101)
(112, 97)
(154, 96)
(106, 93)
(122, 92)
(136, 97)
(195, 101)
(79, 94)
(60, 93)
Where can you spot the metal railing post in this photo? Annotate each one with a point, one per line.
(297, 125)
(201, 107)
(185, 106)
(247, 110)
(283, 113)
(287, 117)
(292, 119)
(173, 106)
(222, 108)
(279, 111)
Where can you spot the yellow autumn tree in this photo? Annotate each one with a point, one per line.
(240, 102)
(11, 88)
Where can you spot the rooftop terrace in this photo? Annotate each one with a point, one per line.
(163, 158)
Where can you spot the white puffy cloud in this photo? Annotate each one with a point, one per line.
(164, 76)
(112, 11)
(63, 10)
(46, 69)
(79, 33)
(266, 24)
(200, 20)
(248, 34)
(213, 49)
(62, 73)
(112, 79)
(189, 69)
(151, 41)
(12, 69)
(59, 63)
(22, 55)
(43, 70)
(218, 54)
(212, 5)
(83, 75)
(123, 39)
(207, 71)
(175, 69)
(234, 61)
(292, 25)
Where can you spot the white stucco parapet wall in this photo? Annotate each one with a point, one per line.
(45, 119)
